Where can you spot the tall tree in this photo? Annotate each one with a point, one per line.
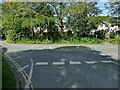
(60, 13)
(23, 17)
(114, 8)
(79, 15)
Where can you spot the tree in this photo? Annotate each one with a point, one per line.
(114, 10)
(79, 16)
(60, 13)
(11, 23)
(24, 17)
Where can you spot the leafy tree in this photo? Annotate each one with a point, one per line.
(80, 17)
(114, 8)
(25, 16)
(80, 14)
(60, 13)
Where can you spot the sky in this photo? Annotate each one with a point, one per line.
(100, 5)
(1, 1)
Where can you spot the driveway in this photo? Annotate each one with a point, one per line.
(43, 66)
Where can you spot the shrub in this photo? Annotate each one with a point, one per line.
(112, 35)
(101, 34)
(11, 35)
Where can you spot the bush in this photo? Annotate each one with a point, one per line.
(101, 34)
(11, 35)
(89, 40)
(112, 35)
(3, 36)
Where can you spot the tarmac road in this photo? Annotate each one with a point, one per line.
(43, 66)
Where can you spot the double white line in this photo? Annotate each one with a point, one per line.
(24, 74)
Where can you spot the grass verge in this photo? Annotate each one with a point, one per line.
(0, 69)
(8, 78)
(85, 40)
(72, 47)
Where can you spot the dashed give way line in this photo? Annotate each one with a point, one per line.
(76, 62)
(91, 62)
(41, 63)
(58, 63)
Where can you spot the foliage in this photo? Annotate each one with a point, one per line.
(8, 78)
(101, 34)
(112, 41)
(77, 18)
(112, 35)
(11, 35)
(114, 8)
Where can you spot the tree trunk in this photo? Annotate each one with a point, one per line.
(62, 27)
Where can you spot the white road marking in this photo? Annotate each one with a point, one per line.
(110, 62)
(90, 62)
(17, 57)
(58, 63)
(106, 61)
(28, 82)
(116, 63)
(63, 59)
(23, 68)
(41, 63)
(18, 67)
(30, 74)
(73, 62)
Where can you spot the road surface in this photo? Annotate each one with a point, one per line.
(43, 66)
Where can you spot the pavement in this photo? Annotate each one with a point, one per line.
(44, 66)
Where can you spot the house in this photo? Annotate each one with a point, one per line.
(36, 29)
(102, 27)
(92, 31)
(45, 31)
(114, 29)
(110, 29)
